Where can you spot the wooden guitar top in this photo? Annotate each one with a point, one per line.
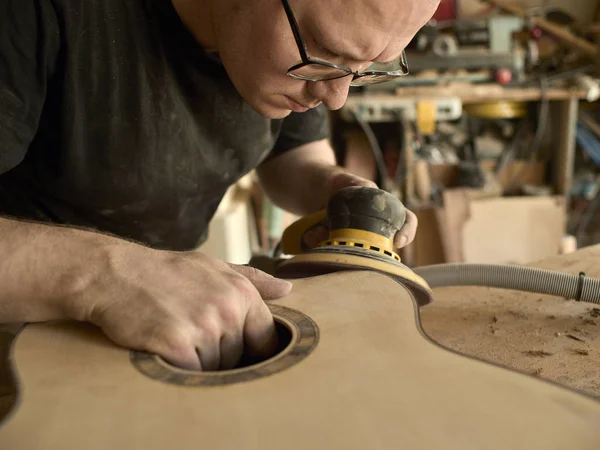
(359, 374)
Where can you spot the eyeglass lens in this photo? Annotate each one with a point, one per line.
(318, 72)
(371, 79)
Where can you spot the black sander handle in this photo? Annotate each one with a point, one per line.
(367, 209)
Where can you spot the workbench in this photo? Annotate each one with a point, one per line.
(563, 114)
(548, 337)
(544, 336)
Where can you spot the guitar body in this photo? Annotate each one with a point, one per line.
(359, 373)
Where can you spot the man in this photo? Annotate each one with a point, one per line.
(122, 123)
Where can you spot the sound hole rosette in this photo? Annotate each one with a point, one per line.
(304, 338)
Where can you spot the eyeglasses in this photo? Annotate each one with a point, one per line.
(313, 69)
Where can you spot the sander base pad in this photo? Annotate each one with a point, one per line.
(328, 259)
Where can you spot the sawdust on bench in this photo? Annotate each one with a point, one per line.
(544, 336)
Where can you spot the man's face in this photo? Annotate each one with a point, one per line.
(257, 47)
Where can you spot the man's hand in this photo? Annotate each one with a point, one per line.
(338, 179)
(193, 310)
(304, 179)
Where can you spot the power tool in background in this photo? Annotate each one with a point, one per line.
(362, 223)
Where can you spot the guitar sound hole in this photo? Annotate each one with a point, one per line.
(284, 339)
(298, 336)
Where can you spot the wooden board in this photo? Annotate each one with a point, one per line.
(373, 381)
(509, 230)
(559, 31)
(498, 230)
(477, 93)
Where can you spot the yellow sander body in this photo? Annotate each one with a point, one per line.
(362, 223)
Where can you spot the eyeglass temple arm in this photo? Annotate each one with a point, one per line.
(295, 29)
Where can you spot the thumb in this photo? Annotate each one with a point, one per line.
(269, 287)
(342, 179)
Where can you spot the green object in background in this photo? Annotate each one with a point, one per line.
(273, 216)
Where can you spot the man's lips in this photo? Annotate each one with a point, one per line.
(297, 107)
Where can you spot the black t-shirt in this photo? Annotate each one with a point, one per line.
(113, 117)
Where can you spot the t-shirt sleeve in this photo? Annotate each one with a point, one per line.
(301, 128)
(29, 42)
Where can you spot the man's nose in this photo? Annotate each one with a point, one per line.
(332, 93)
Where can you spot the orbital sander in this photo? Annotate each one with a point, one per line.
(362, 223)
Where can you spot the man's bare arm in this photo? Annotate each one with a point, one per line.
(44, 268)
(195, 311)
(302, 180)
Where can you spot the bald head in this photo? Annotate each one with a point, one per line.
(367, 30)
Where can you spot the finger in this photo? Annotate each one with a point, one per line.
(207, 344)
(269, 287)
(191, 362)
(357, 181)
(260, 335)
(232, 348)
(209, 356)
(408, 232)
(346, 179)
(315, 236)
(176, 347)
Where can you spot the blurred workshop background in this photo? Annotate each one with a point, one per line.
(493, 140)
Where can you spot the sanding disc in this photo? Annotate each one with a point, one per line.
(327, 259)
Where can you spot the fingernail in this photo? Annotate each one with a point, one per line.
(287, 283)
